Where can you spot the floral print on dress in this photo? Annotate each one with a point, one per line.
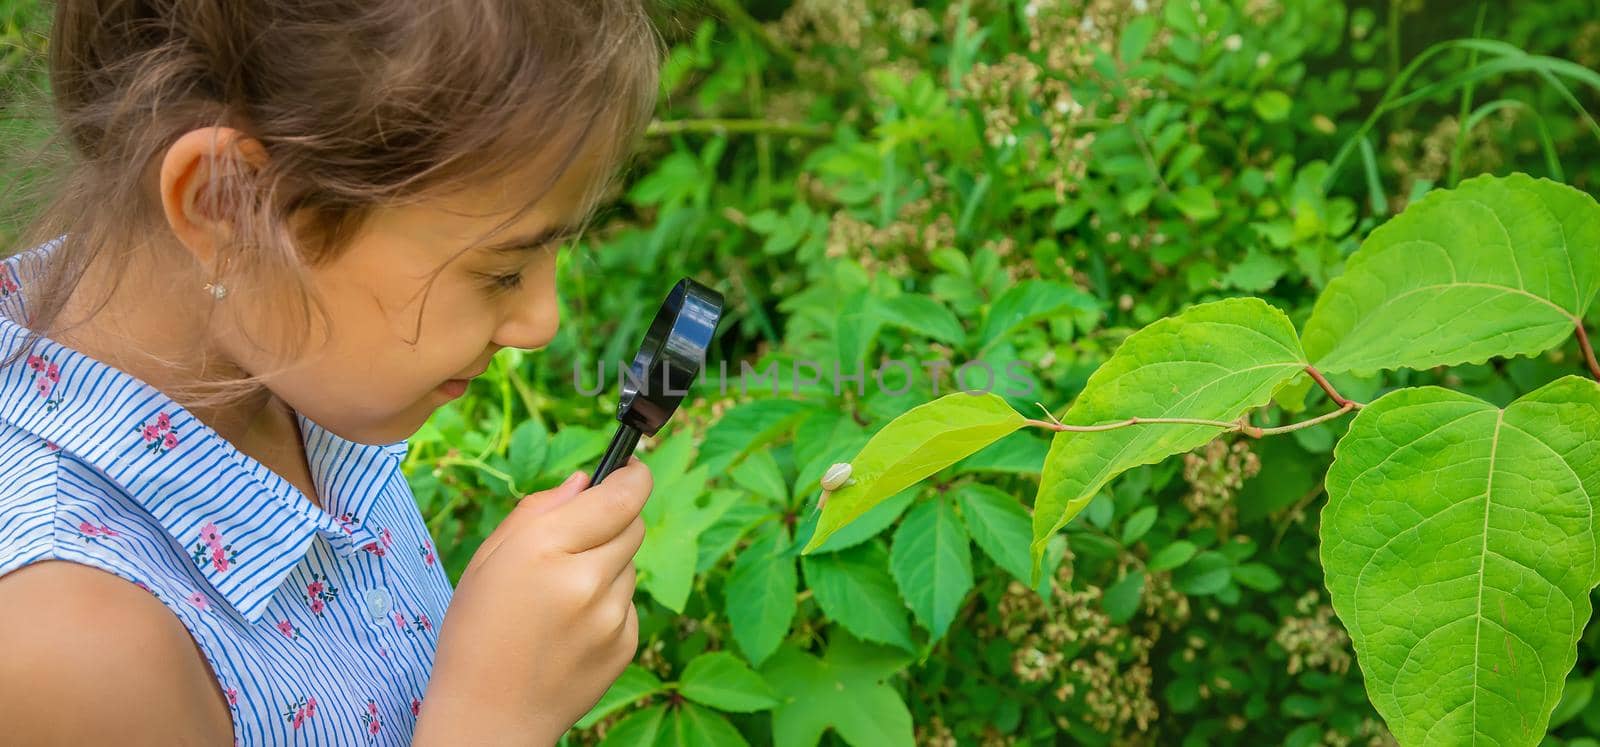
(94, 532)
(301, 710)
(159, 436)
(198, 599)
(369, 718)
(416, 706)
(348, 522)
(288, 629)
(211, 549)
(233, 697)
(320, 592)
(380, 549)
(8, 284)
(427, 552)
(45, 377)
(421, 623)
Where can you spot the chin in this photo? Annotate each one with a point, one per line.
(397, 427)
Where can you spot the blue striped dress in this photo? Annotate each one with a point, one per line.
(319, 623)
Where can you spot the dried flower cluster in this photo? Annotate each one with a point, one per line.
(1215, 472)
(1314, 639)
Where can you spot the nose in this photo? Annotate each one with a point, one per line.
(531, 319)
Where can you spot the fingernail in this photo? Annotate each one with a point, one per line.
(572, 478)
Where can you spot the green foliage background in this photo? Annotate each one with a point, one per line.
(1020, 183)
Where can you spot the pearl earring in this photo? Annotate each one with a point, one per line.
(217, 290)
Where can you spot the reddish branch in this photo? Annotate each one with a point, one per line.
(1588, 352)
(1338, 398)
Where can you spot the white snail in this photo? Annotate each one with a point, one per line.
(837, 476)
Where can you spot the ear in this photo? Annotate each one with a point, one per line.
(191, 186)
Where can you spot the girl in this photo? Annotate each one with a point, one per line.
(291, 230)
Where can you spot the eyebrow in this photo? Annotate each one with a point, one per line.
(530, 242)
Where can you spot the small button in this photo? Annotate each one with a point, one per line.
(378, 604)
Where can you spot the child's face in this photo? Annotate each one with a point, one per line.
(367, 381)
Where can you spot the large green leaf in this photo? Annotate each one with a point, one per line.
(854, 589)
(919, 314)
(932, 563)
(671, 549)
(1499, 266)
(1214, 361)
(924, 440)
(721, 680)
(530, 442)
(761, 594)
(1459, 542)
(844, 690)
(690, 725)
(999, 524)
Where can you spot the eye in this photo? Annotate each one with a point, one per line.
(503, 283)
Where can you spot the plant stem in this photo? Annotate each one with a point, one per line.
(1588, 352)
(1338, 398)
(1348, 406)
(1140, 421)
(479, 465)
(737, 17)
(734, 126)
(1241, 425)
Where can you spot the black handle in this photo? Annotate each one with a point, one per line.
(617, 453)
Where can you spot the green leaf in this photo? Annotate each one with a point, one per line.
(760, 594)
(1257, 272)
(1273, 106)
(1459, 542)
(999, 524)
(1135, 37)
(746, 428)
(845, 690)
(1575, 696)
(1214, 361)
(1197, 203)
(932, 563)
(1122, 598)
(759, 474)
(919, 314)
(875, 520)
(1138, 524)
(530, 442)
(1208, 573)
(639, 727)
(671, 549)
(1495, 267)
(918, 443)
(854, 589)
(1258, 576)
(1020, 453)
(574, 446)
(721, 680)
(1032, 301)
(690, 725)
(666, 562)
(635, 682)
(1171, 556)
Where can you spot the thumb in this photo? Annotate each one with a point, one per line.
(545, 500)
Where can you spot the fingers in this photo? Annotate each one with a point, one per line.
(619, 550)
(601, 513)
(546, 500)
(618, 601)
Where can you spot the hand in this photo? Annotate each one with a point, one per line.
(542, 621)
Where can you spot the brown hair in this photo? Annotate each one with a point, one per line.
(357, 103)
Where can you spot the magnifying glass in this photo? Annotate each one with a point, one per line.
(668, 361)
